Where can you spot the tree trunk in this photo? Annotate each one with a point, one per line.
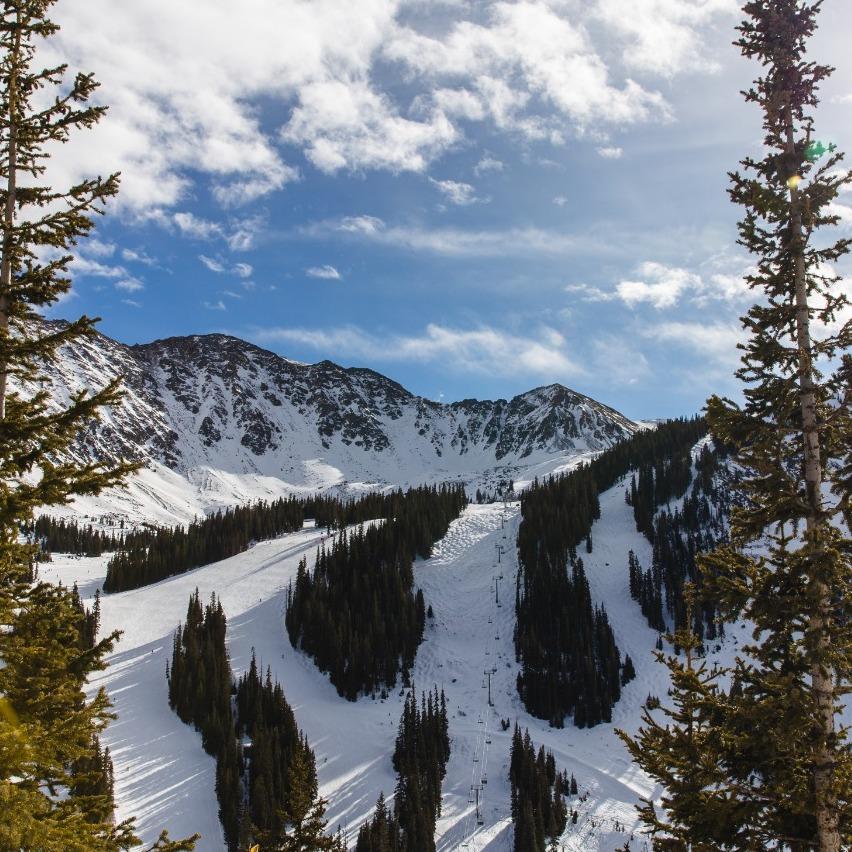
(9, 211)
(822, 680)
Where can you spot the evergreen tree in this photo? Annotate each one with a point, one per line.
(420, 759)
(538, 795)
(777, 763)
(50, 798)
(305, 831)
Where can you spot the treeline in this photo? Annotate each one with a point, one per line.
(264, 766)
(60, 535)
(420, 760)
(539, 811)
(166, 551)
(570, 663)
(357, 613)
(677, 537)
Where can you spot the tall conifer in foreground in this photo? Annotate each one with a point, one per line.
(778, 770)
(50, 759)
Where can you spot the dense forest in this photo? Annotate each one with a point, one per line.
(61, 535)
(357, 613)
(539, 811)
(678, 536)
(420, 759)
(263, 763)
(570, 663)
(151, 556)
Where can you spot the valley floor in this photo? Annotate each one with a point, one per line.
(165, 779)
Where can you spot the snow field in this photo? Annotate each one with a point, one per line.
(165, 779)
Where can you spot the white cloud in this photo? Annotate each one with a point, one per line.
(488, 164)
(481, 350)
(523, 55)
(457, 242)
(665, 36)
(219, 266)
(84, 266)
(215, 306)
(347, 124)
(195, 87)
(237, 235)
(360, 224)
(610, 152)
(325, 271)
(133, 256)
(193, 226)
(844, 215)
(714, 340)
(132, 303)
(97, 248)
(662, 285)
(588, 293)
(560, 200)
(456, 192)
(129, 285)
(211, 263)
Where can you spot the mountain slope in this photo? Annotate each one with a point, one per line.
(164, 777)
(224, 420)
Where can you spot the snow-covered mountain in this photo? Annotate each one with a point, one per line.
(218, 420)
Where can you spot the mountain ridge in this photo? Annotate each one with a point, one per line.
(211, 404)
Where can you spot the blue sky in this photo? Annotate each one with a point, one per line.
(474, 198)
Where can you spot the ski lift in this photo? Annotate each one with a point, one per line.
(484, 779)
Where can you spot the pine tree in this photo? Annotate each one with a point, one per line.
(305, 812)
(47, 725)
(784, 769)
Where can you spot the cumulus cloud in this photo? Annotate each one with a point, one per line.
(660, 285)
(722, 278)
(482, 350)
(194, 87)
(325, 271)
(664, 36)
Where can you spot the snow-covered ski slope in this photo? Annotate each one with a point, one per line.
(165, 779)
